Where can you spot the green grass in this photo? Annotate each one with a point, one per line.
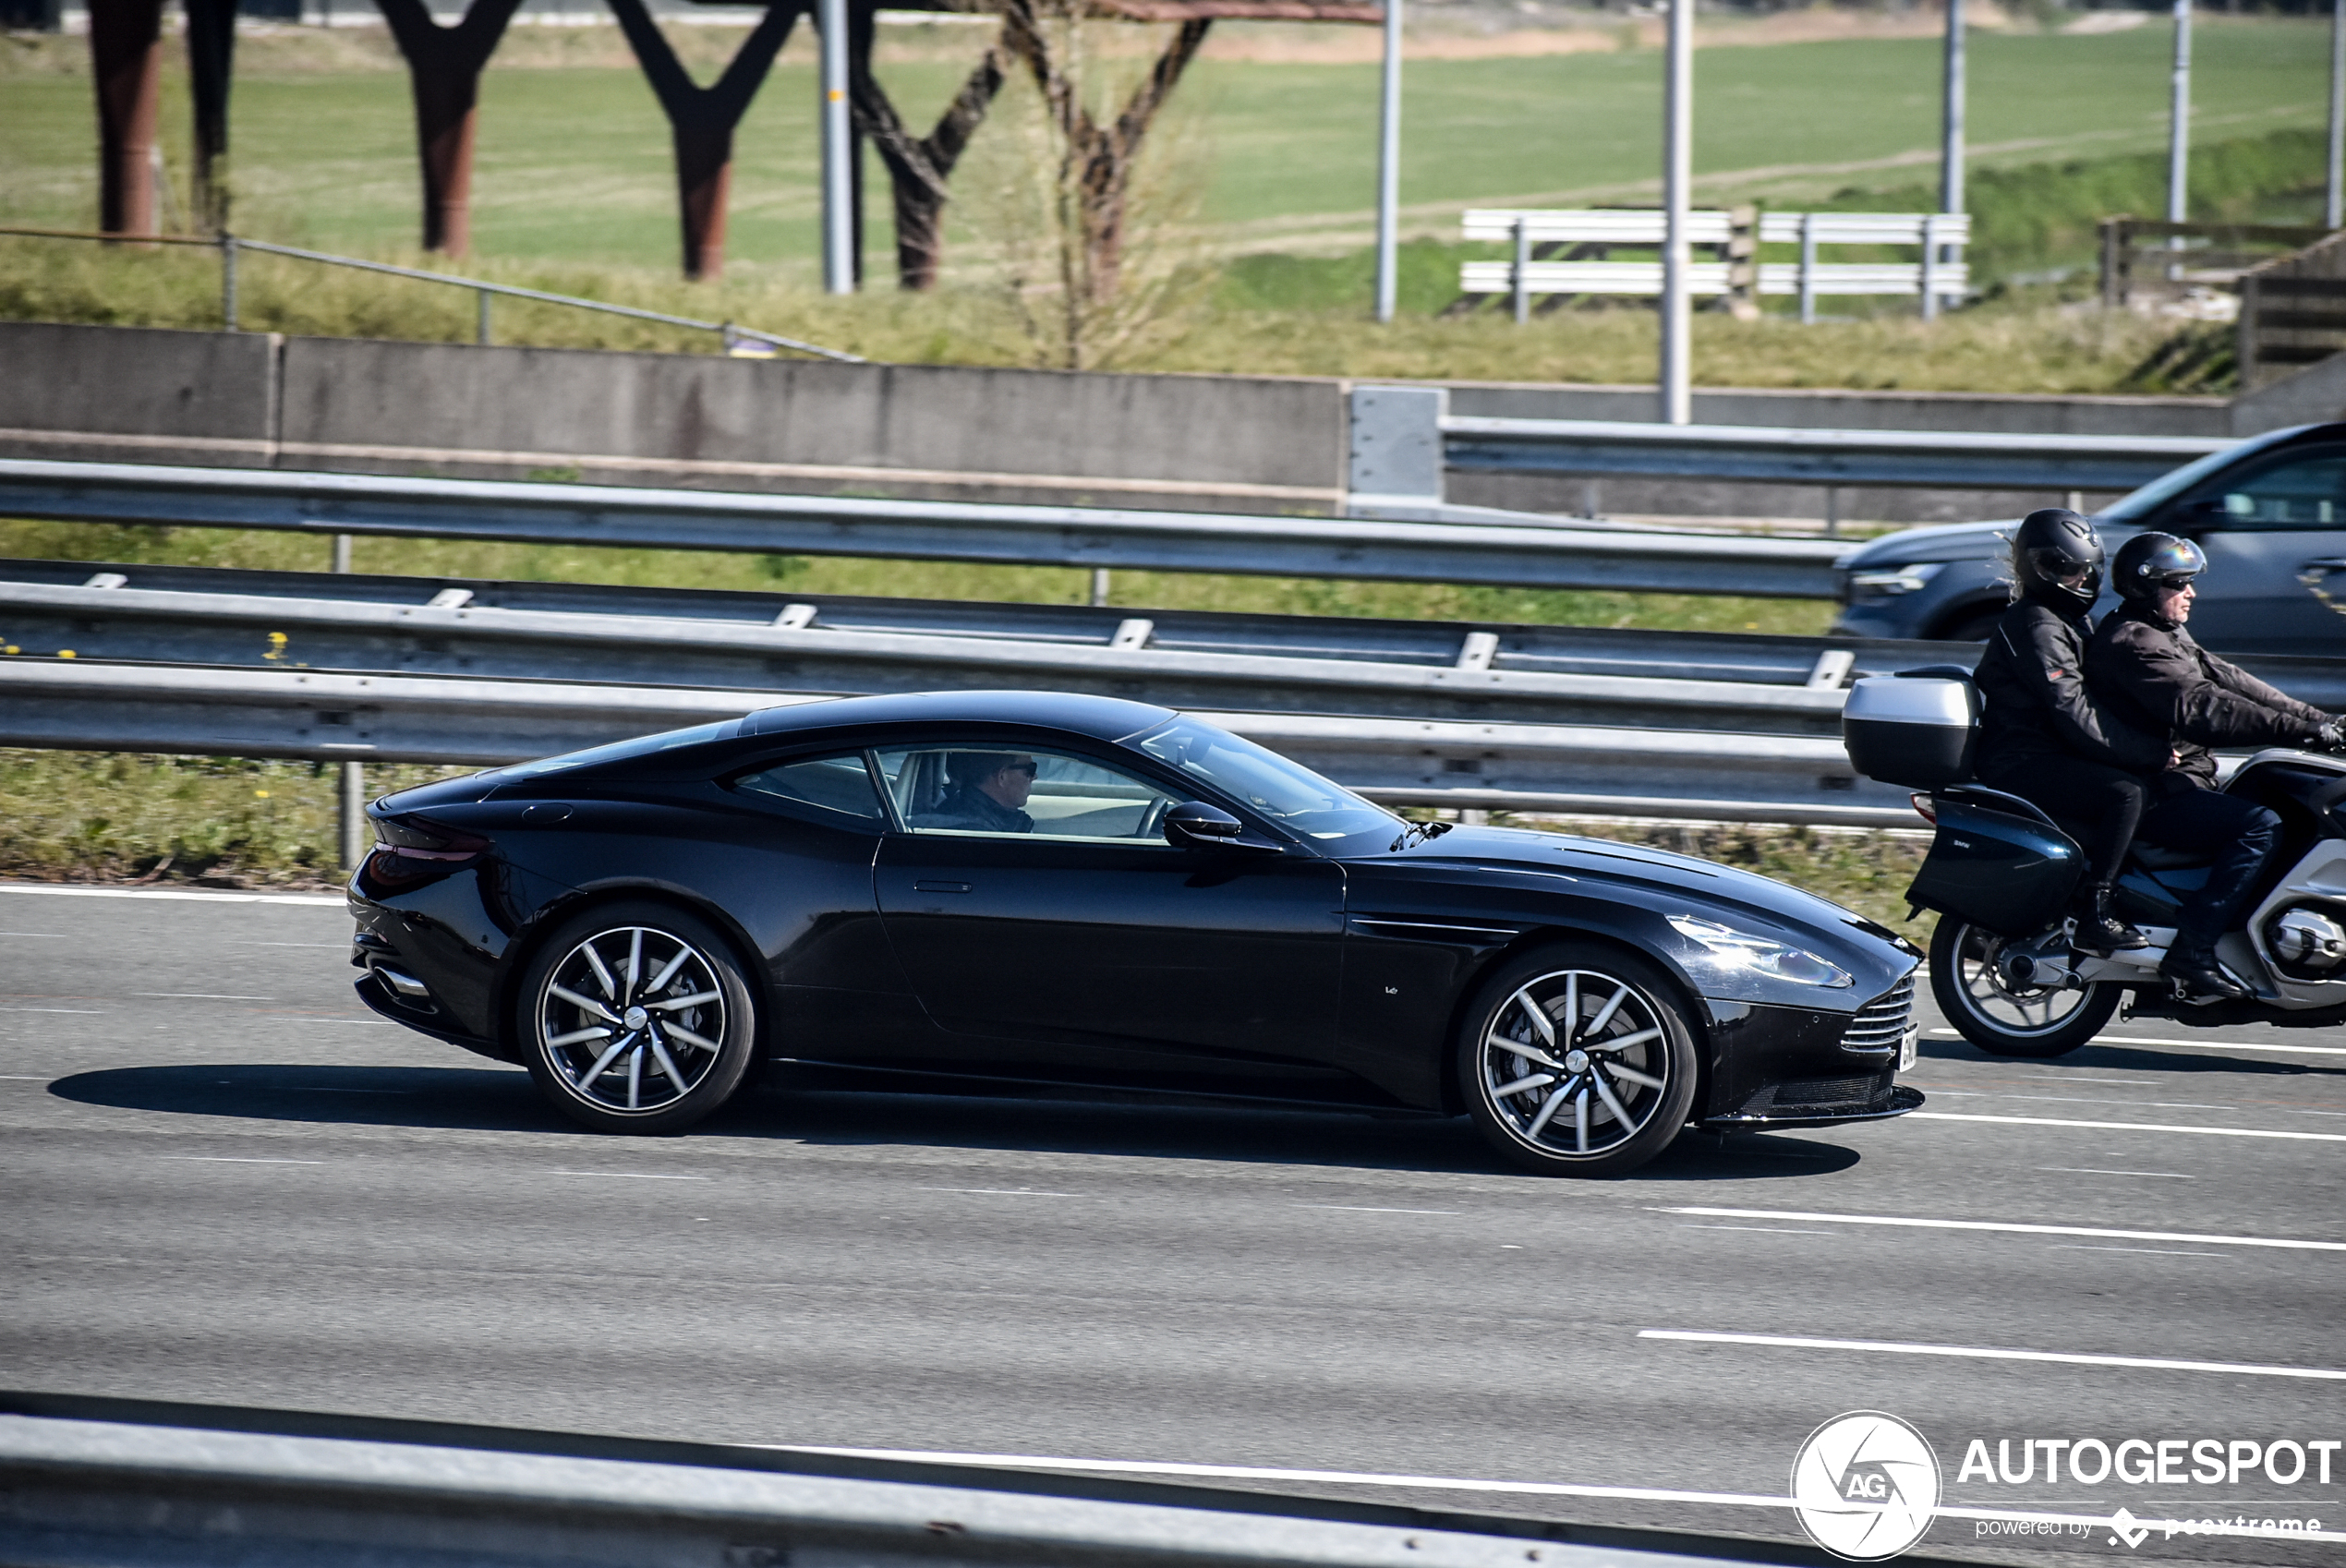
(573, 161)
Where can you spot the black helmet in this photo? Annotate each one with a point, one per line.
(2150, 563)
(2054, 551)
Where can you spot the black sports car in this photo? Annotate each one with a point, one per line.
(1018, 885)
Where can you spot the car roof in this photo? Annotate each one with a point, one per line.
(1102, 718)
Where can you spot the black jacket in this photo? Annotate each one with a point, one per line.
(969, 807)
(2032, 689)
(2147, 670)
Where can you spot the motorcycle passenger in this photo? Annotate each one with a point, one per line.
(2042, 736)
(2146, 670)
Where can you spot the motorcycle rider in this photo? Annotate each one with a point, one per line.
(2042, 735)
(2145, 668)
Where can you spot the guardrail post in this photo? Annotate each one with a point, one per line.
(1518, 282)
(354, 815)
(1099, 586)
(228, 282)
(1929, 267)
(480, 331)
(1396, 468)
(1807, 269)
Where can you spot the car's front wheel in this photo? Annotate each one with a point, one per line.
(1575, 1060)
(636, 1017)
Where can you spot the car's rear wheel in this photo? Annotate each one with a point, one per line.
(636, 1017)
(2005, 1016)
(1575, 1060)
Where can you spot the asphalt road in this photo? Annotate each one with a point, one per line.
(222, 1179)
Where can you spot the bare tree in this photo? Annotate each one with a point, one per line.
(701, 119)
(443, 67)
(918, 169)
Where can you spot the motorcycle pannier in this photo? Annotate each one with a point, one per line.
(1916, 731)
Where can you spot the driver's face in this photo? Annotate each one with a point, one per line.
(2174, 604)
(1010, 786)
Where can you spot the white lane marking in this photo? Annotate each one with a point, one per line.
(2130, 1126)
(1363, 1209)
(1452, 1483)
(201, 997)
(1773, 1230)
(2009, 1227)
(2161, 1252)
(2096, 1170)
(624, 1176)
(238, 1160)
(1002, 1191)
(47, 935)
(86, 1012)
(248, 942)
(2219, 1045)
(2078, 1099)
(332, 901)
(26, 1077)
(1986, 1353)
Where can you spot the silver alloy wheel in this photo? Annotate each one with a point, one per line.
(1990, 996)
(1576, 1063)
(632, 1019)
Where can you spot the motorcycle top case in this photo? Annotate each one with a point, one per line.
(1997, 864)
(1913, 730)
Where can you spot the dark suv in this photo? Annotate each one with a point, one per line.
(2270, 512)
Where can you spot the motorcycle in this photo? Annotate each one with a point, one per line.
(2002, 874)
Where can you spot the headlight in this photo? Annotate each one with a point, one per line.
(1777, 960)
(1894, 580)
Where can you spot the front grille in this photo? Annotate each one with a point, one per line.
(1827, 1091)
(1881, 1023)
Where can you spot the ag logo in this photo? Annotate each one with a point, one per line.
(1866, 1485)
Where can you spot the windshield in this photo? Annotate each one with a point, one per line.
(1284, 793)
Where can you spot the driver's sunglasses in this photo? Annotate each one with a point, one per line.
(1025, 767)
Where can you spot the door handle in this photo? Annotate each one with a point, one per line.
(940, 887)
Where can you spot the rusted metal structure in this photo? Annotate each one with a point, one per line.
(443, 68)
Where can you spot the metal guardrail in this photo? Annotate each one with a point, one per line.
(86, 1480)
(1511, 556)
(1969, 459)
(90, 705)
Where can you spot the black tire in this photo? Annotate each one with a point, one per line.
(1994, 1015)
(1631, 1056)
(582, 999)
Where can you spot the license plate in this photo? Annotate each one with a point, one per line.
(1909, 1047)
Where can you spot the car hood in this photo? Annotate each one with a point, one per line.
(1593, 861)
(1950, 541)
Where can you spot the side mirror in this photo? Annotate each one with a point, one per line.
(1194, 824)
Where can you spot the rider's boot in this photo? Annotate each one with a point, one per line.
(2099, 931)
(2197, 977)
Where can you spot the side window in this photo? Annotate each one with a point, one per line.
(987, 787)
(2305, 491)
(839, 788)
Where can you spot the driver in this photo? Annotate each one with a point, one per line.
(2146, 669)
(986, 792)
(2042, 736)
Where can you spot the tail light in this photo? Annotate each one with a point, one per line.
(1925, 808)
(409, 849)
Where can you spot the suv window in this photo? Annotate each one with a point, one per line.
(838, 786)
(987, 787)
(2305, 490)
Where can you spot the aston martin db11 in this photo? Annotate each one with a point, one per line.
(1016, 887)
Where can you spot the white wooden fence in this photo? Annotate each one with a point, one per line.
(1734, 236)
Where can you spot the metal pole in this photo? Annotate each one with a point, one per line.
(1807, 269)
(341, 552)
(228, 282)
(1519, 281)
(355, 832)
(2334, 209)
(1929, 255)
(1388, 170)
(2179, 119)
(1099, 586)
(480, 331)
(1951, 144)
(1677, 169)
(838, 184)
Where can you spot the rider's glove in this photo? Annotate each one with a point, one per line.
(2331, 737)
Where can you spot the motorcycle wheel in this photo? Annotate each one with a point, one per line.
(2003, 1019)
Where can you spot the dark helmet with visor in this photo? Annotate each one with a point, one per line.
(2055, 552)
(2149, 565)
